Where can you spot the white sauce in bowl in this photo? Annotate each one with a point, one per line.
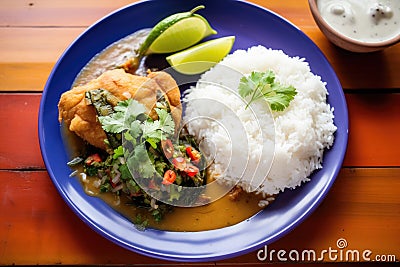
(363, 20)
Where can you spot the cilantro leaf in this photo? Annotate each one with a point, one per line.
(123, 117)
(278, 103)
(113, 123)
(128, 136)
(122, 106)
(135, 129)
(133, 109)
(141, 162)
(282, 97)
(263, 85)
(151, 129)
(167, 124)
(155, 131)
(246, 87)
(139, 130)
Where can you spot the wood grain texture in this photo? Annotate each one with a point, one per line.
(53, 13)
(372, 135)
(25, 51)
(46, 13)
(363, 207)
(28, 76)
(26, 46)
(35, 45)
(19, 143)
(374, 130)
(360, 208)
(38, 227)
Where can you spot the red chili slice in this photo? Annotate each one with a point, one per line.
(92, 158)
(169, 177)
(194, 155)
(191, 170)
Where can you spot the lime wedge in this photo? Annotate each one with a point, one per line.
(176, 32)
(201, 57)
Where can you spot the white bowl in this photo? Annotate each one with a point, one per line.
(345, 42)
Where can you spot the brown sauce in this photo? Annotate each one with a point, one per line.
(111, 57)
(220, 213)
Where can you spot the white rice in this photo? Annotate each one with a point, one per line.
(250, 147)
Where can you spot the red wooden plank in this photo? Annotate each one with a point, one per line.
(19, 143)
(32, 210)
(37, 227)
(373, 137)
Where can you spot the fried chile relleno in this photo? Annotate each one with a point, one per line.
(80, 116)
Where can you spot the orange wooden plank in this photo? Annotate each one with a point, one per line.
(41, 13)
(43, 45)
(17, 13)
(27, 50)
(37, 227)
(18, 138)
(24, 76)
(374, 130)
(33, 45)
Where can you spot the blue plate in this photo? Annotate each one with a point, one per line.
(252, 25)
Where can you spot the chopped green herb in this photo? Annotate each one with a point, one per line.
(91, 170)
(125, 173)
(106, 187)
(118, 152)
(138, 157)
(167, 124)
(263, 85)
(140, 223)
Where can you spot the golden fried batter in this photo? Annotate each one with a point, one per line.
(81, 118)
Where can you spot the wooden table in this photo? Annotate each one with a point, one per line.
(37, 227)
